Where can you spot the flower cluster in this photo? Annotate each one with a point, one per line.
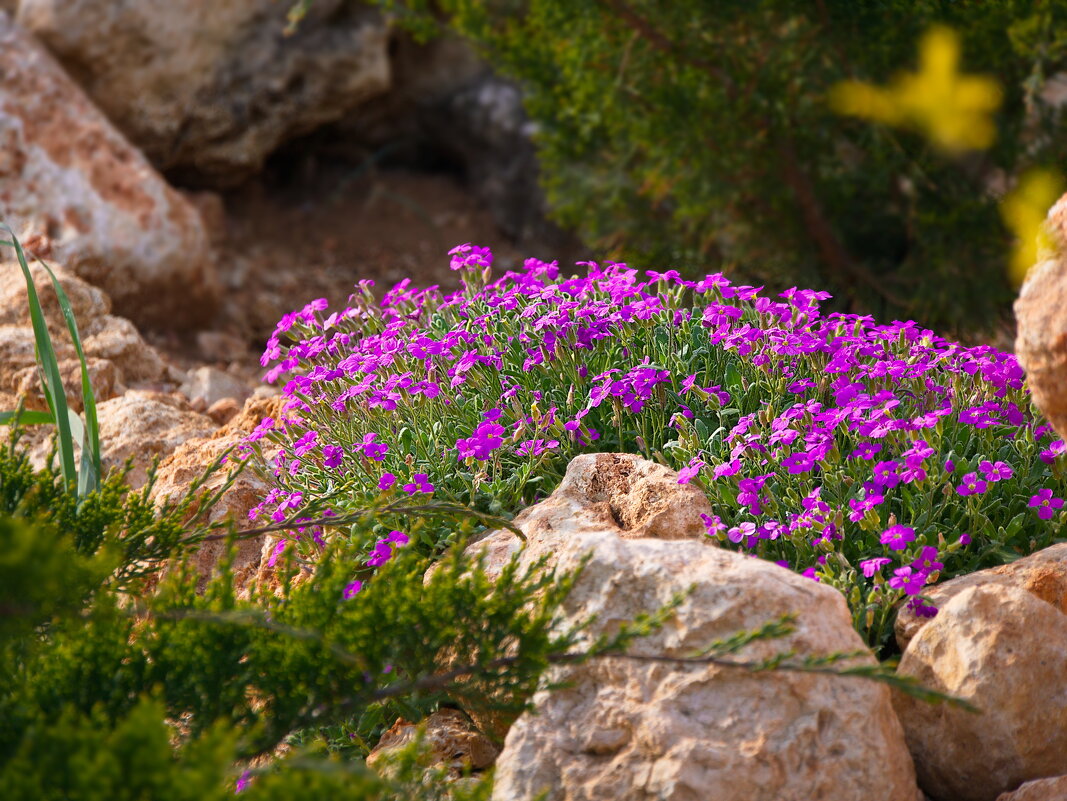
(844, 448)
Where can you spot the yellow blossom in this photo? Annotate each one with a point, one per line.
(1024, 210)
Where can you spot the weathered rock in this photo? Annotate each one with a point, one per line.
(74, 189)
(145, 425)
(209, 385)
(223, 410)
(104, 377)
(1041, 315)
(617, 492)
(629, 729)
(452, 739)
(1042, 574)
(1039, 790)
(212, 89)
(185, 466)
(87, 302)
(1005, 651)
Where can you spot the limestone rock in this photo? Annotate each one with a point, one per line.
(74, 189)
(87, 302)
(617, 492)
(186, 465)
(208, 385)
(1039, 790)
(452, 740)
(145, 425)
(627, 729)
(1005, 651)
(1042, 574)
(210, 89)
(1041, 315)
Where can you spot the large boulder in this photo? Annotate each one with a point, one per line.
(1043, 574)
(1041, 315)
(210, 88)
(631, 729)
(1039, 790)
(1004, 650)
(74, 189)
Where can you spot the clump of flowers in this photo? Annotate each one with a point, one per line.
(853, 452)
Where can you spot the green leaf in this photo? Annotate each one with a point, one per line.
(27, 418)
(51, 380)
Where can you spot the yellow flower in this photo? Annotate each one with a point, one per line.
(1024, 210)
(953, 110)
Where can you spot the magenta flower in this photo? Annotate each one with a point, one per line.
(1045, 504)
(995, 471)
(972, 485)
(865, 450)
(897, 537)
(305, 444)
(419, 483)
(687, 474)
(872, 566)
(908, 579)
(712, 525)
(386, 481)
(352, 589)
(332, 456)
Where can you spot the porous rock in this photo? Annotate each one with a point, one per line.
(146, 425)
(1041, 317)
(210, 89)
(1043, 574)
(208, 385)
(617, 492)
(73, 189)
(629, 729)
(453, 742)
(186, 465)
(1054, 789)
(1004, 650)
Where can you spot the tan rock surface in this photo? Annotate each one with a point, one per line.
(1005, 651)
(1039, 790)
(145, 425)
(627, 729)
(1041, 315)
(617, 492)
(212, 88)
(185, 466)
(1043, 574)
(75, 190)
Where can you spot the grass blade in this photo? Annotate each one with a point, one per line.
(48, 363)
(29, 418)
(89, 474)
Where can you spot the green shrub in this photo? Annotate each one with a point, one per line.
(697, 135)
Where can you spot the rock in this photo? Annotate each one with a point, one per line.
(104, 377)
(74, 189)
(1042, 574)
(116, 339)
(186, 465)
(209, 93)
(1005, 651)
(87, 302)
(1039, 790)
(617, 492)
(210, 385)
(452, 739)
(1041, 315)
(223, 410)
(626, 729)
(219, 346)
(144, 425)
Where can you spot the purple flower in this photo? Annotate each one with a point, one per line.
(907, 579)
(872, 566)
(712, 525)
(419, 483)
(352, 588)
(965, 539)
(927, 560)
(687, 474)
(486, 438)
(995, 471)
(331, 456)
(386, 481)
(886, 475)
(740, 532)
(799, 463)
(897, 537)
(920, 609)
(1045, 504)
(305, 444)
(865, 450)
(972, 485)
(243, 782)
(949, 466)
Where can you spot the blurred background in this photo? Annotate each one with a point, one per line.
(894, 153)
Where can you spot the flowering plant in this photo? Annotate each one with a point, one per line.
(875, 458)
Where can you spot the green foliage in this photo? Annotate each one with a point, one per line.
(699, 134)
